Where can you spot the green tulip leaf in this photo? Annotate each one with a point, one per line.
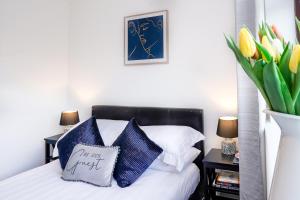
(258, 70)
(297, 106)
(271, 31)
(298, 24)
(231, 45)
(262, 29)
(296, 89)
(286, 94)
(284, 65)
(273, 87)
(244, 62)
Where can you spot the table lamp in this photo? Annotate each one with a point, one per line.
(68, 119)
(228, 129)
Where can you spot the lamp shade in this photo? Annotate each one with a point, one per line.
(69, 118)
(228, 127)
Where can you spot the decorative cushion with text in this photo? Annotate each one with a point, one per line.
(91, 164)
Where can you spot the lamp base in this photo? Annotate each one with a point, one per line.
(228, 147)
(67, 128)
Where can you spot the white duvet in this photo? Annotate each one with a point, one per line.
(44, 183)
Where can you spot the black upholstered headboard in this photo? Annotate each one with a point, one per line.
(146, 116)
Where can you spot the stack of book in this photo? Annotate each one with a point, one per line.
(227, 180)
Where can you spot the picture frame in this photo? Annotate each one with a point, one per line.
(146, 38)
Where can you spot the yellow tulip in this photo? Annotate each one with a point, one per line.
(295, 58)
(268, 46)
(247, 44)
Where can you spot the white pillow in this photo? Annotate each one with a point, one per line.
(187, 159)
(110, 129)
(174, 140)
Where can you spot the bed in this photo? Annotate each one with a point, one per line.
(45, 183)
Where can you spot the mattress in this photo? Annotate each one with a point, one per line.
(44, 183)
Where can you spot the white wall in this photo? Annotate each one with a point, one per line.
(57, 51)
(280, 13)
(201, 72)
(33, 79)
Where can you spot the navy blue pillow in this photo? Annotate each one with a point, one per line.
(86, 133)
(137, 152)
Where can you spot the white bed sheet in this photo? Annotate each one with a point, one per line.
(44, 183)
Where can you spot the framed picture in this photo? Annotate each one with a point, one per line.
(146, 38)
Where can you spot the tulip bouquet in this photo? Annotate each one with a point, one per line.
(272, 64)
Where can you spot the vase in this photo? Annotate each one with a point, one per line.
(285, 184)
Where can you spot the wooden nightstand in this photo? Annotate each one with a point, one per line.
(49, 145)
(213, 161)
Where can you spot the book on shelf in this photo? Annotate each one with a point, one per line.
(225, 176)
(226, 186)
(227, 180)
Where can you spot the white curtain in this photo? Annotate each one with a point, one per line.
(251, 121)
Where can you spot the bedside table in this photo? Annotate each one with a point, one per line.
(49, 145)
(213, 161)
